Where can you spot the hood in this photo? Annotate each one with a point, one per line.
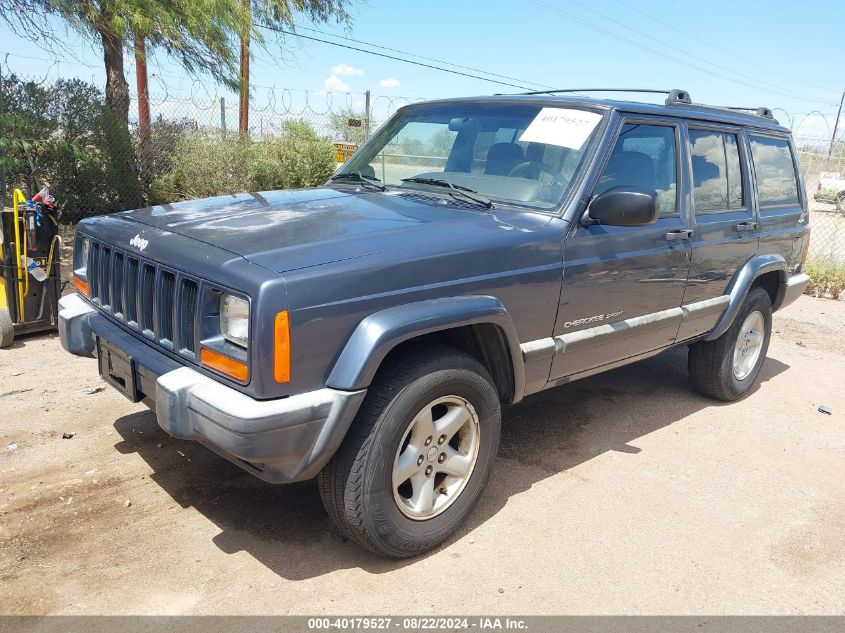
(288, 230)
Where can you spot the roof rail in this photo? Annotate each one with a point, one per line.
(673, 97)
(548, 92)
(766, 113)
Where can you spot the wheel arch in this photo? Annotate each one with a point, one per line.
(478, 325)
(766, 271)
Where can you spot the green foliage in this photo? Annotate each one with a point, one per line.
(342, 131)
(59, 134)
(207, 165)
(827, 277)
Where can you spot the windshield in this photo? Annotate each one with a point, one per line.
(520, 153)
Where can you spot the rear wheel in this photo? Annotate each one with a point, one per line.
(417, 455)
(7, 330)
(725, 369)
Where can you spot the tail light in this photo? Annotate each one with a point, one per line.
(806, 247)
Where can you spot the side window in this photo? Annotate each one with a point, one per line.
(777, 184)
(645, 156)
(716, 171)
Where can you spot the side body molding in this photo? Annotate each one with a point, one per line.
(741, 284)
(380, 332)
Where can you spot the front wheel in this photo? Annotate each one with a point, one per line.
(726, 368)
(417, 455)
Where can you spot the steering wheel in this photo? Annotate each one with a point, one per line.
(529, 167)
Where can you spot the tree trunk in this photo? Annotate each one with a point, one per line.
(117, 89)
(144, 125)
(123, 173)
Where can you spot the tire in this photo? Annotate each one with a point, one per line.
(840, 201)
(357, 486)
(7, 330)
(719, 369)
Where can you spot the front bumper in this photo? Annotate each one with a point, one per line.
(281, 441)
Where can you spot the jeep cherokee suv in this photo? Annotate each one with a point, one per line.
(471, 253)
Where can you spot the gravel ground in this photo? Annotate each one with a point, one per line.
(622, 493)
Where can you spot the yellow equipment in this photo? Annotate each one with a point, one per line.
(29, 236)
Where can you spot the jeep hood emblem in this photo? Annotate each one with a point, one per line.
(138, 242)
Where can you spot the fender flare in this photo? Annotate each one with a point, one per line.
(380, 332)
(741, 284)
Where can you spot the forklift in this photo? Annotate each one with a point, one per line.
(30, 268)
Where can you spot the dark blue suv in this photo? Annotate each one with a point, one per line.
(471, 253)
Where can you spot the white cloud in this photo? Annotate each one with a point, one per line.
(343, 69)
(335, 84)
(389, 83)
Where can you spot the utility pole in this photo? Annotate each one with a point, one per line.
(835, 126)
(144, 125)
(2, 154)
(243, 118)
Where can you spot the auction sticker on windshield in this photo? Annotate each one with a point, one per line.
(564, 127)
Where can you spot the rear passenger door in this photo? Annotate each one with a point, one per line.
(623, 286)
(725, 229)
(781, 196)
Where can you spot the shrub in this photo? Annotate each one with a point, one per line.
(206, 165)
(827, 277)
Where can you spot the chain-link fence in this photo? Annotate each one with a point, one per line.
(60, 133)
(823, 165)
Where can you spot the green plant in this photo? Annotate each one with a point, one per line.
(827, 195)
(827, 277)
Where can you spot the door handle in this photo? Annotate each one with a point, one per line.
(679, 235)
(746, 227)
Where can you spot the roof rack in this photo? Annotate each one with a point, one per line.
(673, 97)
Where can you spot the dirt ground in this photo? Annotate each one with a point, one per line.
(623, 493)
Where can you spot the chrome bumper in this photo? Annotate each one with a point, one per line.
(281, 441)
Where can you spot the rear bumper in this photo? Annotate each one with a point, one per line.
(281, 441)
(793, 288)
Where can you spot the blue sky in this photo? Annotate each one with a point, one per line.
(781, 54)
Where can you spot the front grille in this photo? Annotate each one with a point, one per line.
(157, 302)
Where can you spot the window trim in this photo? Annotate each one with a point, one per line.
(795, 170)
(645, 120)
(743, 167)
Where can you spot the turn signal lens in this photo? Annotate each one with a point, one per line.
(224, 364)
(281, 349)
(81, 286)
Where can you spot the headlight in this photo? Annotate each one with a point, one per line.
(234, 319)
(81, 257)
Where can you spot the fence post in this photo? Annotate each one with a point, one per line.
(223, 115)
(836, 126)
(367, 115)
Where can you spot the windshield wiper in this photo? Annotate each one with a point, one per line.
(372, 181)
(456, 190)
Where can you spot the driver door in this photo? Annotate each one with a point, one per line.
(623, 286)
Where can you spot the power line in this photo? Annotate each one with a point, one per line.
(648, 49)
(430, 59)
(393, 57)
(732, 53)
(686, 53)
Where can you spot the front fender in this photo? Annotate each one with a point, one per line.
(741, 284)
(380, 332)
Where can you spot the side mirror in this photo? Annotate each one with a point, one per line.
(623, 206)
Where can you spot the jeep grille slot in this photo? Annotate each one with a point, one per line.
(166, 289)
(187, 318)
(105, 277)
(145, 300)
(131, 308)
(146, 297)
(117, 285)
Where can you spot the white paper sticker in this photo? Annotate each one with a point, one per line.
(564, 127)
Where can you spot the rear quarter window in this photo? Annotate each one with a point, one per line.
(777, 182)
